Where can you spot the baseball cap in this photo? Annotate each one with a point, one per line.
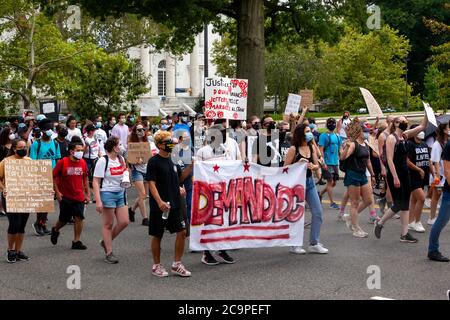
(40, 117)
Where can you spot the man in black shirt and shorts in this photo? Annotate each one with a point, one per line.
(164, 179)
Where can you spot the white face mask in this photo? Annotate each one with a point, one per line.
(421, 135)
(78, 155)
(12, 136)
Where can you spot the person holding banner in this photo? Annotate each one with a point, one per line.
(398, 177)
(17, 221)
(302, 150)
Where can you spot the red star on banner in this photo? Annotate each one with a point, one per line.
(246, 167)
(285, 170)
(216, 168)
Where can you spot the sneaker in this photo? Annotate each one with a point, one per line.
(131, 214)
(11, 256)
(377, 229)
(437, 256)
(318, 248)
(78, 246)
(427, 203)
(334, 206)
(159, 271)
(45, 230)
(208, 259)
(412, 226)
(145, 222)
(225, 257)
(37, 229)
(396, 216)
(180, 270)
(22, 256)
(408, 238)
(54, 236)
(111, 259)
(419, 227)
(102, 244)
(297, 250)
(430, 222)
(359, 233)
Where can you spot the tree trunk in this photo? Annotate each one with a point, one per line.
(250, 52)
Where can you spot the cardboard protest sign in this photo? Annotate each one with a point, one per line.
(293, 104)
(307, 98)
(372, 105)
(226, 98)
(29, 185)
(430, 114)
(139, 151)
(245, 205)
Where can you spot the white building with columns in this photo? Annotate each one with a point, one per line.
(176, 83)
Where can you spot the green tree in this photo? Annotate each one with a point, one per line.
(224, 56)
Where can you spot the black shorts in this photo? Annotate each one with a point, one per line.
(174, 223)
(69, 209)
(417, 183)
(400, 195)
(331, 174)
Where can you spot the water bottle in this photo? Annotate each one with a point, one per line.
(165, 214)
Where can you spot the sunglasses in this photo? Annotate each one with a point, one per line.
(140, 130)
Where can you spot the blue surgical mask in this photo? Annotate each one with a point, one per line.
(164, 126)
(309, 136)
(49, 133)
(98, 125)
(22, 125)
(312, 126)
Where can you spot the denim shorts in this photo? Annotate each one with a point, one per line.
(113, 199)
(355, 179)
(137, 175)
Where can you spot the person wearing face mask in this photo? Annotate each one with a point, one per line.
(44, 149)
(181, 125)
(266, 146)
(398, 176)
(342, 125)
(329, 144)
(72, 129)
(110, 125)
(302, 150)
(92, 148)
(419, 168)
(110, 196)
(100, 134)
(285, 140)
(17, 221)
(164, 178)
(72, 191)
(63, 144)
(120, 131)
(131, 120)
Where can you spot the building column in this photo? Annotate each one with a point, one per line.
(145, 64)
(170, 76)
(194, 71)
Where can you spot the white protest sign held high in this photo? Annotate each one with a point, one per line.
(293, 104)
(372, 104)
(245, 205)
(430, 114)
(226, 98)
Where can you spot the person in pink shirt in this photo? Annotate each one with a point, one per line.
(120, 131)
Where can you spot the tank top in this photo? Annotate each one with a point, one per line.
(344, 125)
(359, 158)
(298, 157)
(400, 157)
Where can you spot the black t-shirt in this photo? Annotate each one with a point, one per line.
(63, 148)
(359, 158)
(446, 157)
(166, 176)
(284, 148)
(419, 155)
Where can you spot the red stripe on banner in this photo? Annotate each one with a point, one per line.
(204, 232)
(239, 238)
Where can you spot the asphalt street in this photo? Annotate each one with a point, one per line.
(273, 273)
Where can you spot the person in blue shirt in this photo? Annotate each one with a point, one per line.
(329, 143)
(182, 125)
(43, 149)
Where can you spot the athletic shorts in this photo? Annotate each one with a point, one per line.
(355, 179)
(112, 200)
(69, 209)
(331, 174)
(174, 223)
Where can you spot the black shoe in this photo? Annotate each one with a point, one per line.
(111, 259)
(78, 246)
(45, 231)
(131, 214)
(37, 229)
(54, 236)
(437, 256)
(22, 256)
(145, 222)
(208, 259)
(408, 238)
(11, 256)
(225, 257)
(377, 229)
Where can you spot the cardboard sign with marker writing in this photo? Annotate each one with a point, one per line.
(307, 98)
(29, 185)
(138, 150)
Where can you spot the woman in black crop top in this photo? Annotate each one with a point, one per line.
(302, 150)
(398, 176)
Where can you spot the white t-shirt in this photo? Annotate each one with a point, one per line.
(72, 133)
(101, 137)
(231, 152)
(436, 153)
(113, 176)
(93, 148)
(344, 125)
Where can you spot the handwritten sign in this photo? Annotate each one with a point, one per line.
(372, 105)
(307, 98)
(226, 98)
(30, 186)
(430, 114)
(293, 104)
(138, 151)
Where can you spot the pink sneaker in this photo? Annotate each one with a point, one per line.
(180, 270)
(159, 271)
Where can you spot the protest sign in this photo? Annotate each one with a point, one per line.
(50, 109)
(293, 104)
(226, 98)
(139, 151)
(372, 105)
(245, 205)
(430, 114)
(307, 98)
(29, 185)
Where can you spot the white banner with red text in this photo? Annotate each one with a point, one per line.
(245, 205)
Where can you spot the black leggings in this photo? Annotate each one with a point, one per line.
(17, 222)
(400, 195)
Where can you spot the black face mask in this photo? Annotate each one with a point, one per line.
(63, 133)
(21, 153)
(256, 126)
(283, 135)
(345, 117)
(403, 126)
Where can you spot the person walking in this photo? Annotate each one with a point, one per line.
(120, 131)
(342, 125)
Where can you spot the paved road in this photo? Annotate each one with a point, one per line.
(258, 274)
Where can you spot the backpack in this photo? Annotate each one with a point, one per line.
(121, 160)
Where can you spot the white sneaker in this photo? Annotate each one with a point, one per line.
(396, 216)
(318, 248)
(419, 227)
(430, 222)
(427, 203)
(297, 250)
(412, 226)
(360, 234)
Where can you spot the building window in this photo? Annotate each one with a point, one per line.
(162, 78)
